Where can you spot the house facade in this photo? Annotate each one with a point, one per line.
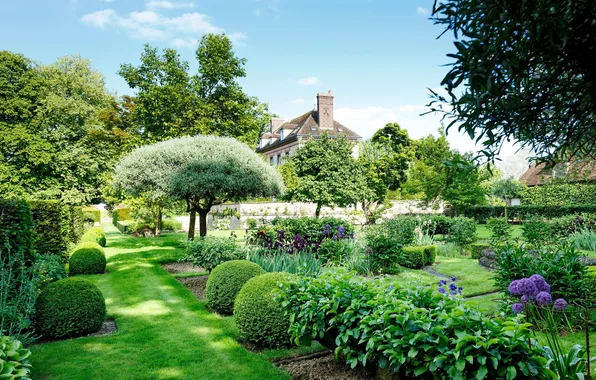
(284, 138)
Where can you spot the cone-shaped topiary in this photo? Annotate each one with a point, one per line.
(87, 258)
(70, 307)
(259, 317)
(225, 281)
(95, 235)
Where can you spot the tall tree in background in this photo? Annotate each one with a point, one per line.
(522, 71)
(328, 174)
(172, 103)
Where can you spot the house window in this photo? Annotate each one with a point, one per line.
(313, 128)
(281, 134)
(271, 160)
(279, 159)
(340, 129)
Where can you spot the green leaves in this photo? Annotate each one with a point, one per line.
(14, 363)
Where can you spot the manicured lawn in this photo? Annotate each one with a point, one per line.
(473, 278)
(484, 234)
(164, 332)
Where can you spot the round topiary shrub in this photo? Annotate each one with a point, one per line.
(95, 235)
(259, 317)
(87, 258)
(70, 307)
(225, 281)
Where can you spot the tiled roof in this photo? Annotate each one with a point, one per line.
(577, 171)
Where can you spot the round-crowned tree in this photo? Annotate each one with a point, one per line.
(225, 281)
(202, 170)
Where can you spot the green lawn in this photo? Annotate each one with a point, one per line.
(164, 332)
(484, 234)
(473, 278)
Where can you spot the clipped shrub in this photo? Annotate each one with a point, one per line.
(225, 282)
(92, 214)
(563, 194)
(477, 248)
(95, 235)
(87, 258)
(417, 257)
(16, 226)
(121, 214)
(259, 317)
(14, 359)
(75, 223)
(51, 228)
(482, 213)
(69, 307)
(209, 252)
(462, 232)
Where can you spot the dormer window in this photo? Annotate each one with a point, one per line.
(313, 128)
(282, 134)
(340, 129)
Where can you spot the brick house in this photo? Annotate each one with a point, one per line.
(284, 138)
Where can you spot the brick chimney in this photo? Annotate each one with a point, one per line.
(325, 110)
(275, 123)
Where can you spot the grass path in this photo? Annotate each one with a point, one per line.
(164, 331)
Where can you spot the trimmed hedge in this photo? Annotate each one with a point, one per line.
(260, 319)
(16, 227)
(51, 227)
(477, 248)
(69, 307)
(225, 282)
(417, 257)
(120, 214)
(87, 258)
(91, 213)
(482, 213)
(95, 235)
(75, 223)
(563, 194)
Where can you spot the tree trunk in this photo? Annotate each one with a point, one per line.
(192, 224)
(318, 210)
(156, 214)
(160, 219)
(203, 222)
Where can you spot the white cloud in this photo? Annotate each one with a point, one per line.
(297, 101)
(365, 120)
(108, 1)
(309, 81)
(257, 12)
(100, 19)
(154, 4)
(412, 108)
(423, 11)
(182, 31)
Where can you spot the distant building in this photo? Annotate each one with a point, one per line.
(577, 171)
(284, 138)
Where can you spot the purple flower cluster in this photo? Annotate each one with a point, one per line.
(297, 243)
(533, 289)
(451, 290)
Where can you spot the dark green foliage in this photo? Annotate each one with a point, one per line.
(560, 265)
(301, 263)
(482, 213)
(417, 257)
(120, 214)
(87, 258)
(68, 308)
(225, 282)
(259, 317)
(477, 248)
(335, 250)
(537, 232)
(14, 359)
(411, 330)
(563, 194)
(48, 269)
(209, 251)
(462, 232)
(310, 228)
(75, 222)
(171, 225)
(92, 214)
(384, 243)
(51, 227)
(16, 228)
(251, 223)
(95, 235)
(500, 231)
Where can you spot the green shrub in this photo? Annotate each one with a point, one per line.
(16, 226)
(537, 232)
(384, 243)
(334, 250)
(92, 214)
(417, 257)
(69, 307)
(462, 232)
(310, 228)
(208, 252)
(95, 235)
(482, 213)
(259, 317)
(360, 263)
(14, 359)
(225, 282)
(121, 214)
(171, 225)
(75, 221)
(412, 330)
(447, 249)
(477, 248)
(51, 229)
(564, 194)
(500, 231)
(251, 223)
(87, 258)
(48, 269)
(585, 239)
(301, 263)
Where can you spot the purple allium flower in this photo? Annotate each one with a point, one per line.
(453, 278)
(527, 287)
(460, 289)
(452, 287)
(524, 299)
(514, 289)
(540, 283)
(544, 298)
(442, 290)
(560, 304)
(517, 308)
(442, 282)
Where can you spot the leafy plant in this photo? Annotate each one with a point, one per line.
(359, 262)
(447, 249)
(48, 269)
(462, 232)
(171, 224)
(14, 359)
(252, 223)
(208, 252)
(500, 231)
(584, 239)
(332, 251)
(301, 263)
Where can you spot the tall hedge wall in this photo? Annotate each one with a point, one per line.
(16, 227)
(483, 213)
(51, 228)
(560, 195)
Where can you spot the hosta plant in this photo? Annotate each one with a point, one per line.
(14, 359)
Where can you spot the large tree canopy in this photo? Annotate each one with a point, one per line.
(522, 70)
(172, 103)
(202, 170)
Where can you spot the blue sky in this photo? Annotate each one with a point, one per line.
(377, 56)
